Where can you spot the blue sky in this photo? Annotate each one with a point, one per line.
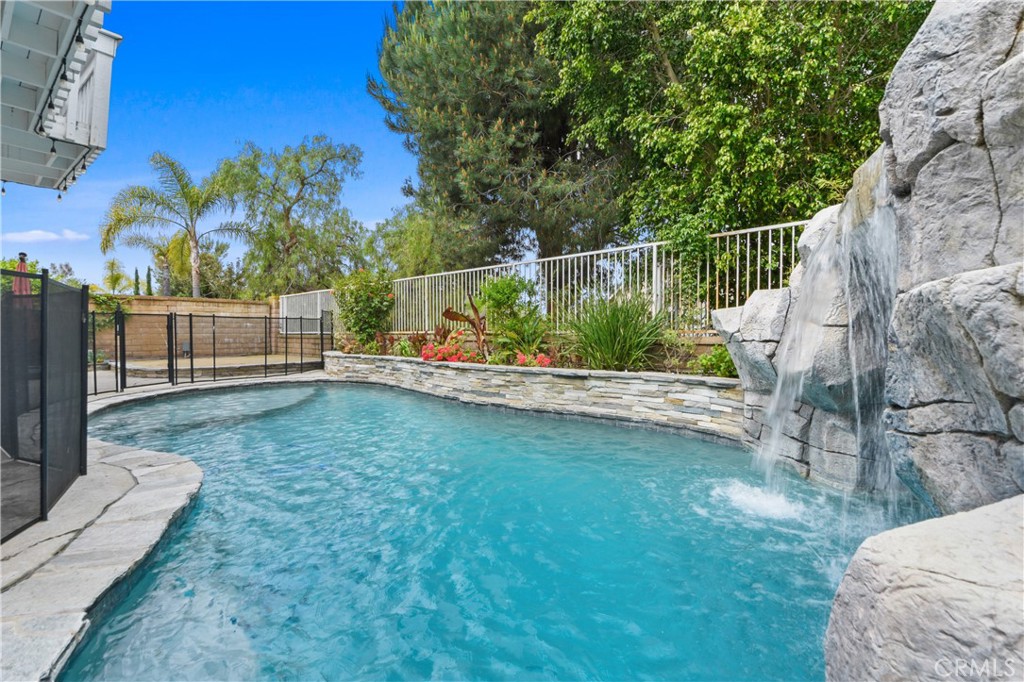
(196, 80)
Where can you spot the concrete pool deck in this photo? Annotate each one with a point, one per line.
(97, 534)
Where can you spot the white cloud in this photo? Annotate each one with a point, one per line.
(73, 236)
(43, 236)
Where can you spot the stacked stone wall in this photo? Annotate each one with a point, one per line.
(711, 408)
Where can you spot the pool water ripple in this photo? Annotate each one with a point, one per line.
(369, 533)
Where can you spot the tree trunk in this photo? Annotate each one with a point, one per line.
(194, 260)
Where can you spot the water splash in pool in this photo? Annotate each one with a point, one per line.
(760, 502)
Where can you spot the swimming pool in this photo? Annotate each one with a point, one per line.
(353, 532)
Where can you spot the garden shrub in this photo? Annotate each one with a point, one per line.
(405, 349)
(451, 351)
(538, 360)
(617, 334)
(364, 302)
(716, 362)
(506, 298)
(523, 333)
(514, 318)
(676, 351)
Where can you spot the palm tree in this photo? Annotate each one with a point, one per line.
(176, 204)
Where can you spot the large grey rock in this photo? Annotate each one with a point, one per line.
(1003, 114)
(917, 600)
(833, 433)
(958, 471)
(1013, 453)
(1016, 419)
(989, 304)
(915, 280)
(953, 220)
(933, 98)
(764, 315)
(828, 381)
(823, 222)
(934, 360)
(753, 359)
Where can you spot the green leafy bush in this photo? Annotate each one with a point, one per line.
(516, 324)
(364, 302)
(618, 334)
(405, 349)
(717, 362)
(506, 298)
(522, 333)
(676, 351)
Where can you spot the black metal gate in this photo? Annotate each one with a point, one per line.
(140, 349)
(43, 338)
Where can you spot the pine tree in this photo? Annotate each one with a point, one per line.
(149, 281)
(136, 288)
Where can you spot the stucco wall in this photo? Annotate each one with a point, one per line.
(708, 407)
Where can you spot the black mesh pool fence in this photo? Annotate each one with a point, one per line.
(129, 349)
(43, 340)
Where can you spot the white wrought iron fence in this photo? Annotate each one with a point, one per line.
(740, 262)
(301, 313)
(686, 291)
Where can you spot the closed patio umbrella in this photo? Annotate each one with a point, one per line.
(22, 286)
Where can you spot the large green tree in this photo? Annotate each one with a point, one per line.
(462, 81)
(176, 205)
(299, 234)
(726, 114)
(419, 240)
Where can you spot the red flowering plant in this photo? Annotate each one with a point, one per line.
(451, 350)
(538, 360)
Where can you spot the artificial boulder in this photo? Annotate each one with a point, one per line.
(924, 601)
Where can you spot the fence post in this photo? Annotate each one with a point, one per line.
(302, 343)
(286, 346)
(213, 319)
(122, 360)
(266, 338)
(322, 338)
(191, 353)
(44, 460)
(170, 348)
(83, 437)
(656, 283)
(95, 381)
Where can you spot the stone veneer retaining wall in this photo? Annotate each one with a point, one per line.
(707, 407)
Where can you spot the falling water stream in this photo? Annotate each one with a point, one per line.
(854, 264)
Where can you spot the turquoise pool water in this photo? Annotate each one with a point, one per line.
(353, 532)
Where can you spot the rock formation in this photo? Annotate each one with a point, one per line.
(920, 603)
(939, 342)
(953, 124)
(916, 369)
